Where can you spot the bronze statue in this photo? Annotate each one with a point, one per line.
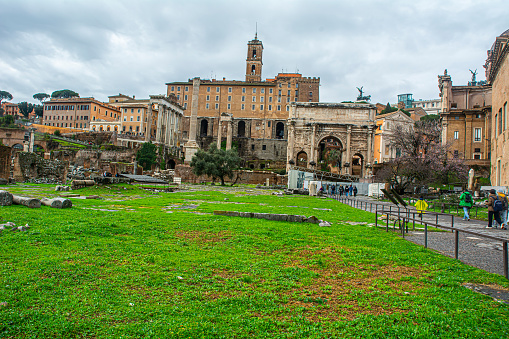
(474, 73)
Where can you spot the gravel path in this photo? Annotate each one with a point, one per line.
(474, 249)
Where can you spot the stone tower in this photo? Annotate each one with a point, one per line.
(254, 60)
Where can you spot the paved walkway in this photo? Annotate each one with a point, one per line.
(474, 250)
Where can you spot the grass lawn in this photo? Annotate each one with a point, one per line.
(141, 265)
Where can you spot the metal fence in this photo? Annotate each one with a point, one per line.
(403, 216)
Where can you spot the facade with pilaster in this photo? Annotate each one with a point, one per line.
(336, 137)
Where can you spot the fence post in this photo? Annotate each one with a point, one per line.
(456, 243)
(506, 271)
(387, 226)
(425, 235)
(403, 228)
(376, 218)
(436, 222)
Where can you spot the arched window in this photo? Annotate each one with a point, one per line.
(253, 69)
(254, 52)
(241, 129)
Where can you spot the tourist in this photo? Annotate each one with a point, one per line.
(493, 208)
(355, 191)
(341, 190)
(347, 191)
(466, 202)
(333, 189)
(350, 190)
(503, 212)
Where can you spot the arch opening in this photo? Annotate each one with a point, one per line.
(204, 126)
(280, 130)
(302, 159)
(241, 129)
(330, 154)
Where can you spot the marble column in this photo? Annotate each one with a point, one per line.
(149, 122)
(229, 135)
(159, 122)
(291, 142)
(348, 151)
(369, 157)
(312, 155)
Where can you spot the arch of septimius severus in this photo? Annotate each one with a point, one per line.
(318, 130)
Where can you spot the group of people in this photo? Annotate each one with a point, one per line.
(340, 189)
(497, 203)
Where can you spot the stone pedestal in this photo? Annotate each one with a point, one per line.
(190, 151)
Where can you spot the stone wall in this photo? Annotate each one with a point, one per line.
(29, 166)
(245, 177)
(5, 162)
(96, 159)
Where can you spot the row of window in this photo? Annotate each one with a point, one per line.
(61, 124)
(243, 107)
(230, 89)
(501, 117)
(66, 107)
(67, 117)
(477, 135)
(126, 110)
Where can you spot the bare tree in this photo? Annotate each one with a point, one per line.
(423, 159)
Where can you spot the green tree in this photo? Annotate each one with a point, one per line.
(64, 94)
(39, 110)
(389, 109)
(5, 96)
(430, 117)
(216, 163)
(41, 96)
(146, 155)
(25, 108)
(57, 133)
(7, 121)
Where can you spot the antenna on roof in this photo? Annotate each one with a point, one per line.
(256, 31)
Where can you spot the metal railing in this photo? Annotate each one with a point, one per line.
(402, 216)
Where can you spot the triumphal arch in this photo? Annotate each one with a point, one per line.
(332, 137)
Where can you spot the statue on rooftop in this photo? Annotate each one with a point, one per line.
(474, 73)
(362, 97)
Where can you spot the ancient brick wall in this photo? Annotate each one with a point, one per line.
(32, 166)
(5, 162)
(245, 177)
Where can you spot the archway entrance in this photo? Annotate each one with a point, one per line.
(330, 151)
(280, 130)
(357, 164)
(302, 159)
(171, 164)
(204, 126)
(241, 129)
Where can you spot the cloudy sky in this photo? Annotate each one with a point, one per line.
(101, 48)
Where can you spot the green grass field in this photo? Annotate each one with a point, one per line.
(135, 264)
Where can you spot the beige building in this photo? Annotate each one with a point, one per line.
(257, 109)
(337, 137)
(466, 114)
(497, 74)
(77, 113)
(386, 124)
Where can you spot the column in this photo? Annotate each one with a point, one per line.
(219, 128)
(229, 135)
(348, 144)
(149, 121)
(369, 154)
(191, 146)
(291, 141)
(169, 113)
(312, 154)
(159, 122)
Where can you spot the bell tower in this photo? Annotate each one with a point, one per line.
(254, 60)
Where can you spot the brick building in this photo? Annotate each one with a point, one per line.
(77, 113)
(257, 109)
(497, 75)
(466, 114)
